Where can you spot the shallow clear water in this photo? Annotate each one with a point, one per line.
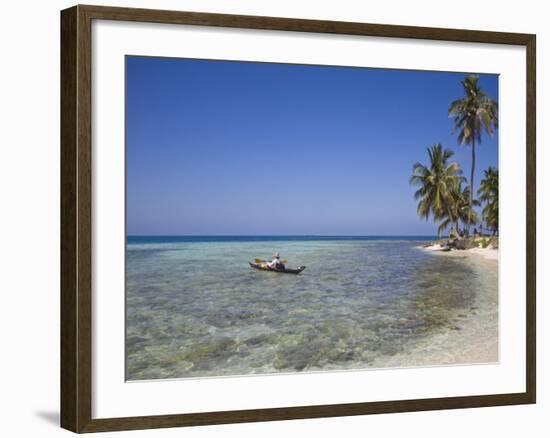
(195, 308)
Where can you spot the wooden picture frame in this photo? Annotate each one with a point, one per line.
(76, 218)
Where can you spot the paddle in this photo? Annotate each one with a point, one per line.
(284, 262)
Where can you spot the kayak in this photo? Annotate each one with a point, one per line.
(261, 267)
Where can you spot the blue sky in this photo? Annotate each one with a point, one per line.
(263, 149)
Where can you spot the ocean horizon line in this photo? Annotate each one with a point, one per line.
(161, 239)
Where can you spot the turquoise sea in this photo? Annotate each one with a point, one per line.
(194, 307)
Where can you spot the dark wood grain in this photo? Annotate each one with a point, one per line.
(84, 212)
(531, 218)
(296, 413)
(76, 218)
(300, 25)
(69, 329)
(76, 251)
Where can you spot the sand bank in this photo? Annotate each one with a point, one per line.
(474, 337)
(474, 340)
(488, 253)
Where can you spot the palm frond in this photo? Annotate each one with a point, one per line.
(435, 181)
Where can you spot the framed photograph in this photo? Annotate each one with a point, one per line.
(270, 218)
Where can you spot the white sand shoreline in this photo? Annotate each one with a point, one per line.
(474, 338)
(488, 253)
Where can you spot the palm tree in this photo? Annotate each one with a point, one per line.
(459, 208)
(436, 182)
(467, 214)
(449, 219)
(473, 114)
(488, 193)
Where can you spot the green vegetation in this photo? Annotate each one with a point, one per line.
(438, 186)
(473, 114)
(488, 193)
(459, 204)
(441, 189)
(484, 242)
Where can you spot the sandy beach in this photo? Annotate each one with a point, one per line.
(488, 253)
(474, 338)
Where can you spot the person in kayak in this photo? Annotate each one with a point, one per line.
(276, 262)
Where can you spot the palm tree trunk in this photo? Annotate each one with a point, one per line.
(471, 186)
(454, 228)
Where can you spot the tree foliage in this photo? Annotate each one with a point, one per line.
(488, 193)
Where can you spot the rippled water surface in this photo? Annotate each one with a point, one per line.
(195, 308)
